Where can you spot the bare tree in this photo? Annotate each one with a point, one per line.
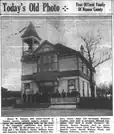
(95, 55)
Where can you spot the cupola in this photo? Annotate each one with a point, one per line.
(31, 38)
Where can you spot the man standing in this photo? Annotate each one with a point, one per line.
(24, 97)
(63, 93)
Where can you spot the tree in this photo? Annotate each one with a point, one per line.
(92, 40)
(104, 89)
(110, 89)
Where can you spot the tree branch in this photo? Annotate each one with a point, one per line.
(102, 61)
(91, 44)
(95, 42)
(94, 52)
(84, 39)
(94, 61)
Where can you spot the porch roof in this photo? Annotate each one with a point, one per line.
(46, 76)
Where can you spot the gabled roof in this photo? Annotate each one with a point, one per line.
(64, 49)
(61, 49)
(69, 51)
(42, 44)
(30, 31)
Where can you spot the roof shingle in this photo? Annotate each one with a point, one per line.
(64, 49)
(30, 31)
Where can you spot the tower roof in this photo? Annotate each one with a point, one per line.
(30, 31)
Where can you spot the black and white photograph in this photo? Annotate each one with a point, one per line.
(56, 66)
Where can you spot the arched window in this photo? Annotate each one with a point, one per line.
(46, 49)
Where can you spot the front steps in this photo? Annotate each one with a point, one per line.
(63, 106)
(63, 103)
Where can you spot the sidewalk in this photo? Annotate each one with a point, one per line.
(55, 112)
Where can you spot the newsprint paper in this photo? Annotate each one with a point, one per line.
(56, 66)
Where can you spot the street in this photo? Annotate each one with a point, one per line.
(11, 112)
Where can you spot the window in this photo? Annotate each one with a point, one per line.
(39, 60)
(88, 89)
(46, 49)
(50, 62)
(85, 69)
(54, 66)
(80, 63)
(54, 58)
(50, 58)
(47, 59)
(71, 85)
(88, 72)
(83, 89)
(81, 67)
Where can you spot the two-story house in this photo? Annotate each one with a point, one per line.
(48, 67)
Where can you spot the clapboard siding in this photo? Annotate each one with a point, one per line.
(29, 68)
(66, 64)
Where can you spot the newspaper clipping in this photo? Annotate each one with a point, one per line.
(56, 66)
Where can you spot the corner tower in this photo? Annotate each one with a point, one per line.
(30, 42)
(31, 39)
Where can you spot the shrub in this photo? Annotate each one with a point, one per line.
(95, 103)
(8, 102)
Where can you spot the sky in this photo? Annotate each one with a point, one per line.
(65, 30)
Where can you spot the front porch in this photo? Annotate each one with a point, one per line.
(64, 103)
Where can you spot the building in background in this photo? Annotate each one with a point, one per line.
(48, 67)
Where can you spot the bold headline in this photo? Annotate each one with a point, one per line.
(54, 7)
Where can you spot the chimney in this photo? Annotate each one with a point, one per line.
(82, 50)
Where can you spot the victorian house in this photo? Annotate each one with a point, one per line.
(48, 67)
